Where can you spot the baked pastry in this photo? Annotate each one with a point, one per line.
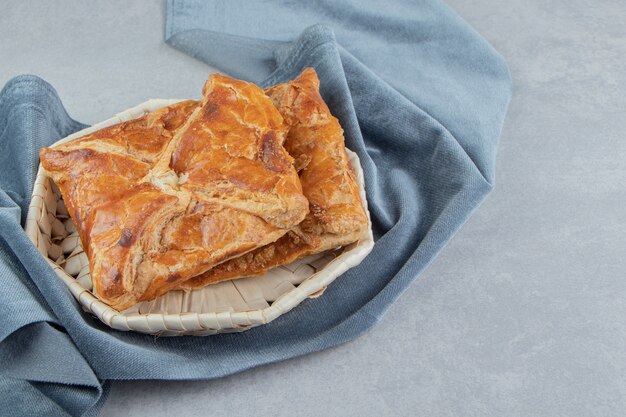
(336, 215)
(166, 197)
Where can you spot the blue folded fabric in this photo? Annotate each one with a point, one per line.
(421, 98)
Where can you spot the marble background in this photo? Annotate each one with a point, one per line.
(523, 314)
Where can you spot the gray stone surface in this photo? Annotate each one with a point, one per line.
(523, 314)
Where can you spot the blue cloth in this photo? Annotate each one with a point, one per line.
(421, 97)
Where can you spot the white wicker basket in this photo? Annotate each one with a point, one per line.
(229, 306)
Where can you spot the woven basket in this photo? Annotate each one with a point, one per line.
(229, 306)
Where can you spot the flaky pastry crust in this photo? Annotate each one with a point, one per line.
(336, 216)
(168, 196)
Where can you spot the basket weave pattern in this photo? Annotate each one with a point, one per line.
(228, 306)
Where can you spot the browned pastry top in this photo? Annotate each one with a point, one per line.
(336, 218)
(165, 197)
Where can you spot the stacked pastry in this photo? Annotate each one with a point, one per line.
(200, 192)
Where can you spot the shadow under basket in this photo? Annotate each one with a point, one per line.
(228, 306)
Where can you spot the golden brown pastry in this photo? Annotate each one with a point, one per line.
(166, 197)
(336, 218)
